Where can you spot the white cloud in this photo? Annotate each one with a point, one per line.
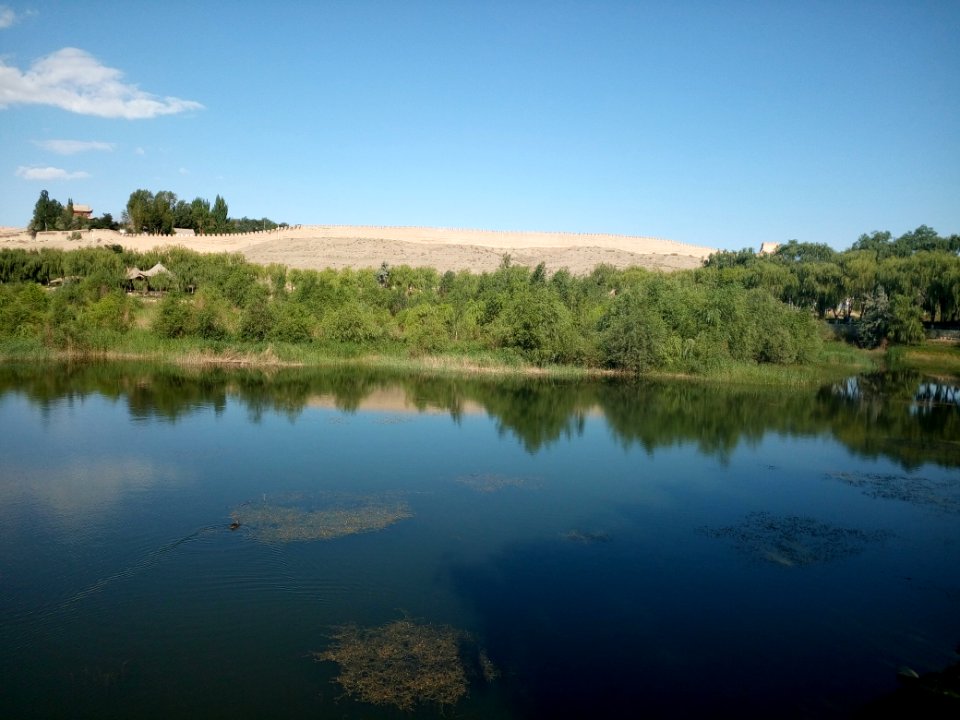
(184, 171)
(74, 80)
(71, 147)
(49, 173)
(139, 151)
(7, 17)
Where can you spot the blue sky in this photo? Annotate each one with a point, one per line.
(716, 123)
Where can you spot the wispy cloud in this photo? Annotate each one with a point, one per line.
(72, 147)
(74, 80)
(49, 173)
(7, 17)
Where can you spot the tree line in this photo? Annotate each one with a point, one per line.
(157, 213)
(51, 214)
(885, 287)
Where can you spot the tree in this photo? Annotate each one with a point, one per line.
(536, 323)
(876, 242)
(139, 211)
(633, 335)
(183, 214)
(66, 217)
(799, 252)
(164, 204)
(202, 219)
(219, 213)
(923, 238)
(46, 214)
(874, 320)
(905, 320)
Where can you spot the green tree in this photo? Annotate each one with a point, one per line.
(874, 325)
(183, 214)
(292, 323)
(355, 323)
(46, 214)
(906, 324)
(174, 318)
(536, 323)
(257, 320)
(201, 217)
(633, 335)
(877, 242)
(139, 212)
(219, 215)
(426, 327)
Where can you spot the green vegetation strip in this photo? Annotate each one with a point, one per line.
(740, 318)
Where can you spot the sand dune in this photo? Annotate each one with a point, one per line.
(341, 246)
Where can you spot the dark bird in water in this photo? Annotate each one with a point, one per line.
(235, 524)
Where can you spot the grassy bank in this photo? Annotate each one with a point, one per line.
(835, 360)
(934, 358)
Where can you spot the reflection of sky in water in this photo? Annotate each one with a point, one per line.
(139, 546)
(83, 487)
(75, 457)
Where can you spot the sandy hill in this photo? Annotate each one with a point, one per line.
(340, 246)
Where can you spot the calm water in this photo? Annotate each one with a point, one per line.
(658, 550)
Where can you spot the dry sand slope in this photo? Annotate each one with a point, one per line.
(341, 246)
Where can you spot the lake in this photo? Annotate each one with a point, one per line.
(187, 543)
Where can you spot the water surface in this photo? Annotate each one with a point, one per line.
(668, 550)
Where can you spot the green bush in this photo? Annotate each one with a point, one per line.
(174, 318)
(355, 323)
(536, 323)
(426, 328)
(292, 323)
(633, 335)
(257, 321)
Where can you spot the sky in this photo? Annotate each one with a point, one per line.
(724, 124)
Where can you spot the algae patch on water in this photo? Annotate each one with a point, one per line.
(586, 537)
(792, 540)
(405, 664)
(913, 489)
(492, 482)
(298, 518)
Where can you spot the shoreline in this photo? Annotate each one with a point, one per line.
(268, 359)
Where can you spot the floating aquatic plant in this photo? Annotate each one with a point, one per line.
(491, 482)
(295, 518)
(586, 537)
(793, 540)
(405, 664)
(912, 489)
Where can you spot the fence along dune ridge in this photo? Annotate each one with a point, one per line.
(506, 240)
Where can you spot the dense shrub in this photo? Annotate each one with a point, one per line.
(174, 318)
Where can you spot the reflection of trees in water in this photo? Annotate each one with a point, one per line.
(537, 413)
(791, 540)
(658, 415)
(896, 415)
(893, 415)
